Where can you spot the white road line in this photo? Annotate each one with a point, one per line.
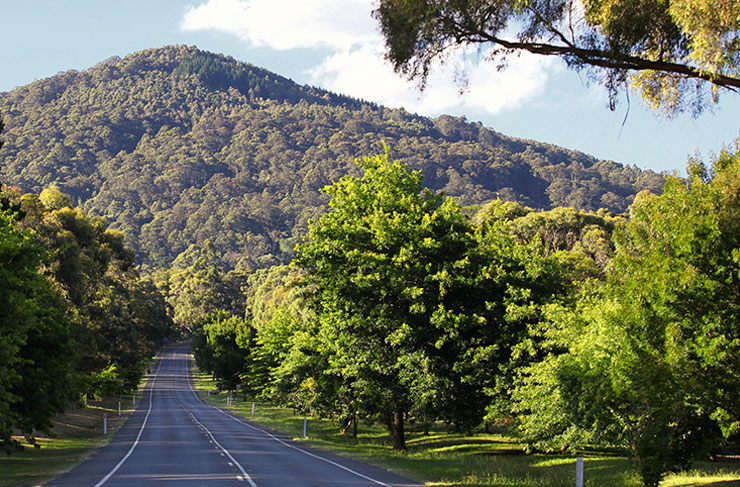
(238, 420)
(241, 469)
(141, 430)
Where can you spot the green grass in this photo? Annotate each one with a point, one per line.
(447, 459)
(78, 433)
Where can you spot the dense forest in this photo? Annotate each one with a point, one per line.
(175, 147)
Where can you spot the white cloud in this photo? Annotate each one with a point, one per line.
(356, 66)
(362, 73)
(495, 91)
(287, 24)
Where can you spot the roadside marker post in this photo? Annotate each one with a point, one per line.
(579, 472)
(105, 423)
(119, 408)
(305, 426)
(253, 410)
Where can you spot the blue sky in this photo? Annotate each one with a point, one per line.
(335, 44)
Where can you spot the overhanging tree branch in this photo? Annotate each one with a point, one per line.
(606, 59)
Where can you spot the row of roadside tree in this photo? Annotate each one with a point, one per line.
(76, 318)
(579, 328)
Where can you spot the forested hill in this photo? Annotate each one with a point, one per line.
(176, 146)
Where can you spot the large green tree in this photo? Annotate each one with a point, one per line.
(277, 312)
(662, 48)
(417, 309)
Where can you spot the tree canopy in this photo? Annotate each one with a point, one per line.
(669, 51)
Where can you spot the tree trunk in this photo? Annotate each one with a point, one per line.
(397, 431)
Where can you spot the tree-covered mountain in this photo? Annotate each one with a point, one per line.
(176, 146)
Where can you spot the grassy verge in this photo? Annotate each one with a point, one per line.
(77, 434)
(446, 459)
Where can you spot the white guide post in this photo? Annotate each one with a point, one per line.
(579, 472)
(119, 408)
(253, 410)
(305, 426)
(105, 423)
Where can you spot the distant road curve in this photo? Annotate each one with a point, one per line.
(176, 439)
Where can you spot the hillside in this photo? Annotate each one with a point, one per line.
(176, 146)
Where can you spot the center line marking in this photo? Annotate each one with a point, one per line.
(245, 423)
(244, 472)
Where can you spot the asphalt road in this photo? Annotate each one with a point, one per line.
(174, 438)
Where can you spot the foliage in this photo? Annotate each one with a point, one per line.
(218, 340)
(649, 359)
(670, 51)
(37, 353)
(117, 317)
(176, 146)
(277, 312)
(105, 382)
(414, 308)
(76, 310)
(581, 240)
(202, 288)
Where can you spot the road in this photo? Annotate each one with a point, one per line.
(175, 438)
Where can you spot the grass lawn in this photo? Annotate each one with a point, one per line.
(447, 459)
(77, 434)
